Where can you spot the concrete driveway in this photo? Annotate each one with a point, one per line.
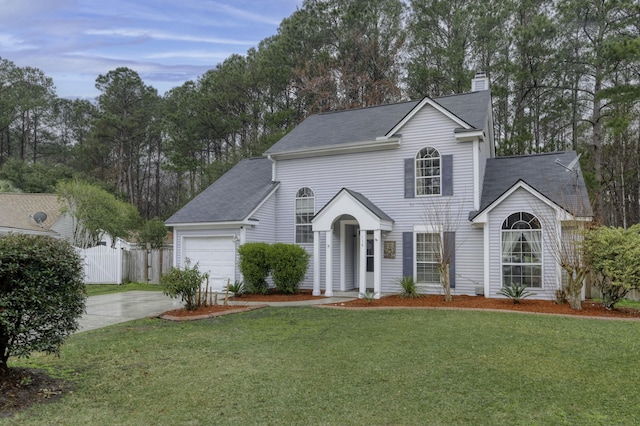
(109, 309)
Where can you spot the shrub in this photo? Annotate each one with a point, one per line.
(254, 265)
(515, 292)
(41, 294)
(288, 266)
(409, 289)
(184, 283)
(614, 257)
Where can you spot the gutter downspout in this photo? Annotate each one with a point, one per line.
(274, 174)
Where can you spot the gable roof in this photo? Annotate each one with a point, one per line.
(17, 210)
(231, 198)
(367, 124)
(540, 172)
(346, 201)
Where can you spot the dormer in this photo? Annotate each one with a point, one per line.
(480, 82)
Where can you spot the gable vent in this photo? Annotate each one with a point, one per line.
(480, 82)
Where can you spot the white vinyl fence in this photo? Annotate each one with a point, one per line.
(102, 265)
(106, 265)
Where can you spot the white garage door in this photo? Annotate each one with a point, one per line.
(214, 255)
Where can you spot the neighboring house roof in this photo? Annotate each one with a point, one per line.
(541, 172)
(17, 210)
(231, 198)
(367, 124)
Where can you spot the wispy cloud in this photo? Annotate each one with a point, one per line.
(160, 35)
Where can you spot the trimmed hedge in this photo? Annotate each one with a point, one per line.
(254, 265)
(287, 264)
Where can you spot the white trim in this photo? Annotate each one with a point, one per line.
(377, 263)
(417, 108)
(295, 224)
(542, 245)
(337, 149)
(415, 176)
(476, 174)
(470, 136)
(484, 215)
(214, 225)
(487, 260)
(274, 172)
(328, 236)
(316, 263)
(264, 200)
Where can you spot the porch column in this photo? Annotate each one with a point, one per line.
(329, 264)
(362, 274)
(316, 263)
(377, 263)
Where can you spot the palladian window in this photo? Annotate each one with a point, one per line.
(305, 201)
(428, 172)
(522, 250)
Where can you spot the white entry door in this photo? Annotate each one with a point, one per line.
(368, 259)
(215, 256)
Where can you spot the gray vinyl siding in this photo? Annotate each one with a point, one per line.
(519, 201)
(265, 230)
(379, 176)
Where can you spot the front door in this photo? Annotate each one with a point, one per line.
(368, 260)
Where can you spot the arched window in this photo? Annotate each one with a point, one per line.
(305, 201)
(428, 172)
(522, 250)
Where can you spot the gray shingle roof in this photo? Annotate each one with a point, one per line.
(369, 205)
(366, 124)
(541, 172)
(335, 128)
(232, 197)
(470, 107)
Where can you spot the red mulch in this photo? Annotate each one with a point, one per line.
(589, 307)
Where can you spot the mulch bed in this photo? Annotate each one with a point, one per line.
(22, 387)
(204, 312)
(274, 296)
(589, 307)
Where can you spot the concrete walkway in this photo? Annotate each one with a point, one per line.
(109, 309)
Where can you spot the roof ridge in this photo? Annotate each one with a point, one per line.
(364, 108)
(540, 154)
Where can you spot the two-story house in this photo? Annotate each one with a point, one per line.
(371, 194)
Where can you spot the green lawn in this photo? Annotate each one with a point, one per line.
(336, 367)
(98, 289)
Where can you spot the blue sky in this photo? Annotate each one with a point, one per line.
(166, 41)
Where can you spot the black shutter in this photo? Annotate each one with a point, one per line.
(450, 250)
(447, 174)
(407, 254)
(409, 178)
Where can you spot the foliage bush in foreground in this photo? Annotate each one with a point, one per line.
(614, 257)
(185, 283)
(41, 294)
(254, 265)
(288, 264)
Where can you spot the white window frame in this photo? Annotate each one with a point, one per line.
(522, 263)
(308, 215)
(421, 165)
(422, 229)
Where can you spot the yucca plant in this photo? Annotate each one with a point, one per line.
(369, 296)
(515, 292)
(409, 288)
(237, 288)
